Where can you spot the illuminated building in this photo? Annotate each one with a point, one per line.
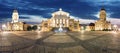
(90, 27)
(74, 25)
(115, 28)
(46, 25)
(15, 24)
(60, 18)
(15, 16)
(102, 24)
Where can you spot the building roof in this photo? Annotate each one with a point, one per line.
(60, 12)
(91, 24)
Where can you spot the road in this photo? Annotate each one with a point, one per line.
(61, 42)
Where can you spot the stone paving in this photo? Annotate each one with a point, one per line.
(59, 38)
(68, 42)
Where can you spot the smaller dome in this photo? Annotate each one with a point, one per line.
(91, 24)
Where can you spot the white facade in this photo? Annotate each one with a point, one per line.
(102, 24)
(15, 16)
(60, 18)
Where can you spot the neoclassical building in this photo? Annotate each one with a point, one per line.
(60, 18)
(102, 23)
(15, 24)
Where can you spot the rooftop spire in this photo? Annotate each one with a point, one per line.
(102, 8)
(15, 11)
(15, 16)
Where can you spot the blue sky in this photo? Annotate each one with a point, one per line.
(36, 10)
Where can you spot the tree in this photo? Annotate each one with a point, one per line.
(34, 27)
(29, 28)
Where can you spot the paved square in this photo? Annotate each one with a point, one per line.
(68, 42)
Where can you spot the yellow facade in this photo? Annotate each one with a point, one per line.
(92, 28)
(18, 26)
(102, 24)
(26, 27)
(15, 25)
(74, 25)
(46, 26)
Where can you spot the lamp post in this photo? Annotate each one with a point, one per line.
(115, 27)
(4, 27)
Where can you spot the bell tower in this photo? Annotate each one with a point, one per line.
(102, 14)
(15, 16)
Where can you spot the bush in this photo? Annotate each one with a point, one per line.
(29, 28)
(34, 27)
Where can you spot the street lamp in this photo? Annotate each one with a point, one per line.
(3, 27)
(119, 29)
(115, 27)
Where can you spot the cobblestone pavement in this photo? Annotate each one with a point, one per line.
(68, 42)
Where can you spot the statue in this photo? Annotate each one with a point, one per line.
(60, 28)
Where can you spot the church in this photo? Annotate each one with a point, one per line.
(60, 19)
(15, 24)
(102, 23)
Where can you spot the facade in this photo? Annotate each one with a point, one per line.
(15, 24)
(102, 24)
(74, 25)
(45, 25)
(92, 26)
(60, 19)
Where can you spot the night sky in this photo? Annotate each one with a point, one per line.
(33, 11)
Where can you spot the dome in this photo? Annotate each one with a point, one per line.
(91, 24)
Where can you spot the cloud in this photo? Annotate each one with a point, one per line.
(104, 2)
(32, 18)
(26, 5)
(14, 3)
(87, 21)
(114, 20)
(26, 18)
(83, 21)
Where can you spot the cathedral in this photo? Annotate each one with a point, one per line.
(15, 24)
(60, 19)
(102, 23)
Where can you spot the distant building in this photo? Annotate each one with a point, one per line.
(91, 26)
(60, 18)
(15, 24)
(102, 24)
